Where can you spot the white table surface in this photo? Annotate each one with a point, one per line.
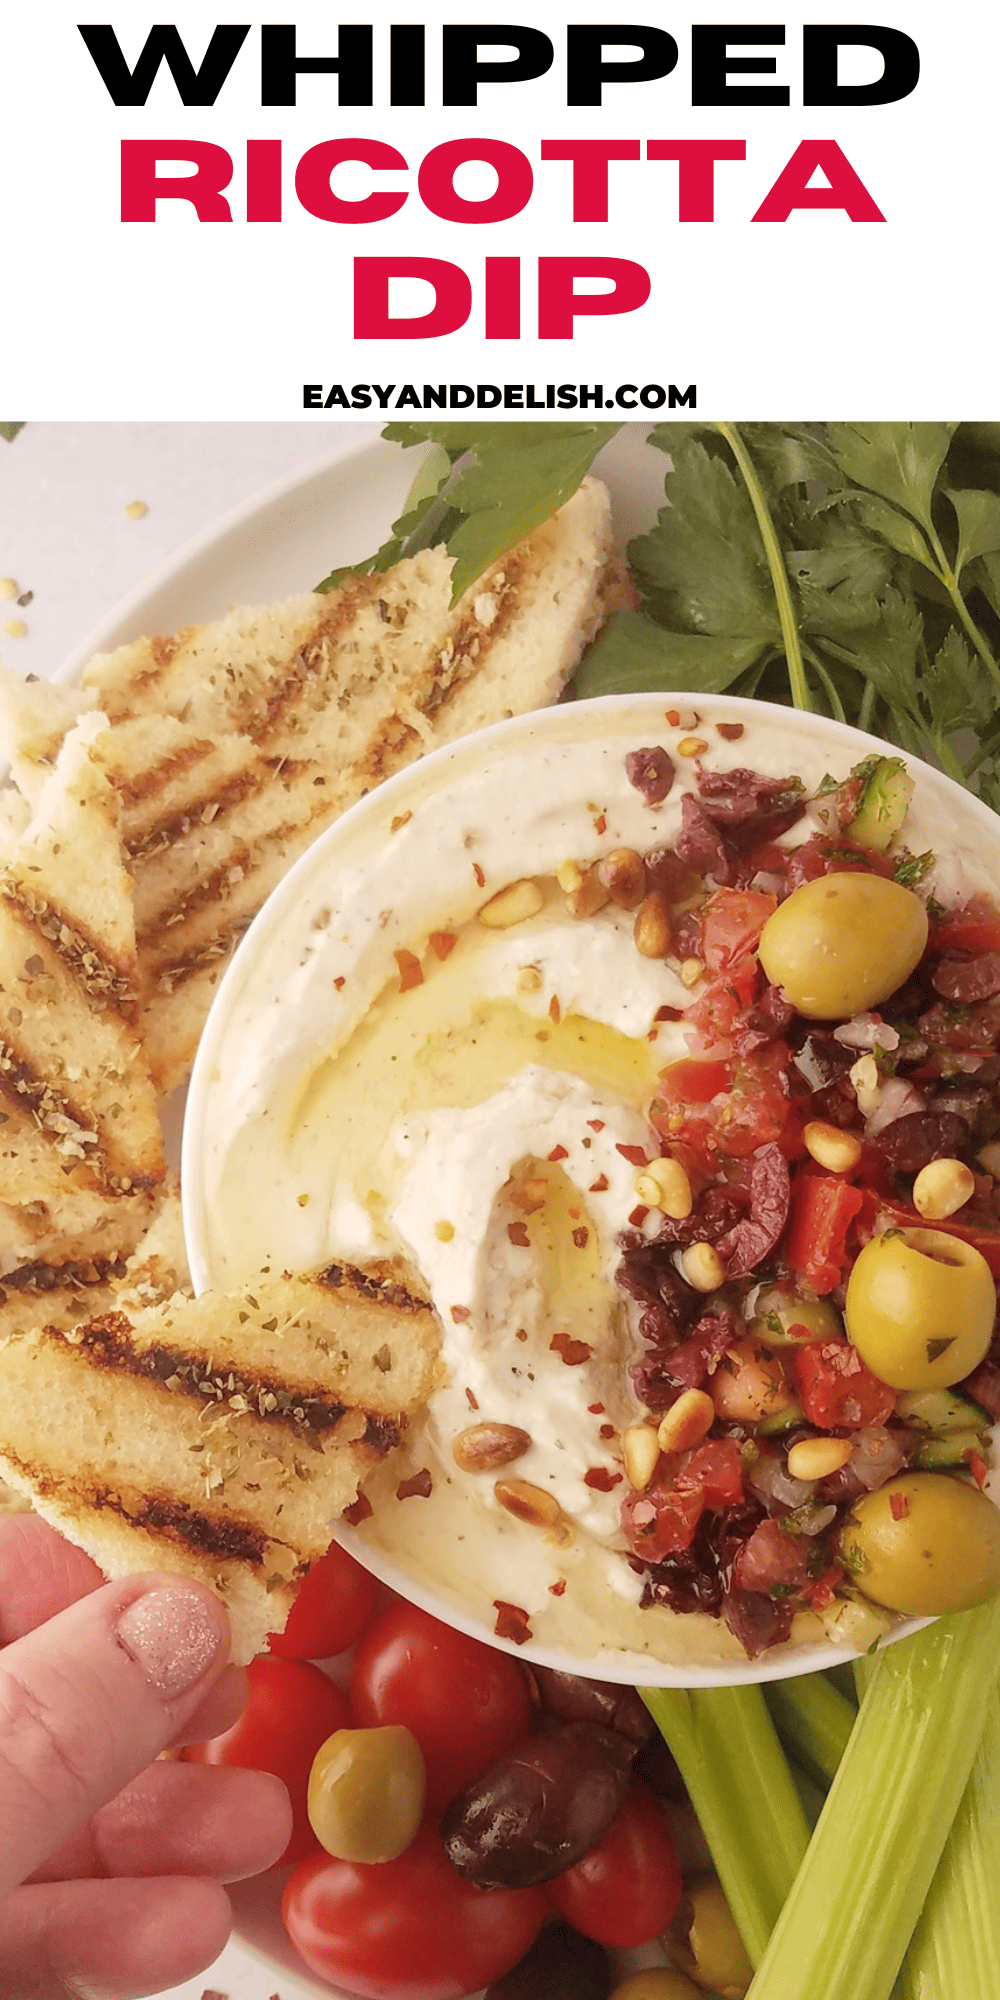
(65, 536)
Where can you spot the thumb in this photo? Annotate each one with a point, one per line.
(90, 1698)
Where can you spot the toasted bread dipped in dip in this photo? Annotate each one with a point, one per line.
(220, 1437)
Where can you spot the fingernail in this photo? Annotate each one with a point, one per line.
(173, 1636)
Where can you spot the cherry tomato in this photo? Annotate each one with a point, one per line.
(409, 1929)
(731, 924)
(291, 1711)
(974, 928)
(627, 1889)
(465, 1702)
(334, 1605)
(837, 1389)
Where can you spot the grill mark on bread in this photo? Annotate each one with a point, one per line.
(310, 659)
(217, 800)
(107, 1343)
(105, 981)
(472, 642)
(378, 1285)
(223, 1537)
(77, 1275)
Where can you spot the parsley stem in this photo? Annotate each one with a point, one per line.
(950, 581)
(776, 563)
(866, 712)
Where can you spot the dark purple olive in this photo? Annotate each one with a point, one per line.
(561, 1965)
(536, 1811)
(570, 1698)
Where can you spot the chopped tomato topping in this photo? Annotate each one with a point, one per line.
(837, 1389)
(715, 1469)
(661, 1522)
(975, 928)
(772, 1561)
(716, 1013)
(731, 924)
(823, 1208)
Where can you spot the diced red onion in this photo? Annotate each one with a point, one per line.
(897, 1099)
(864, 1032)
(769, 1480)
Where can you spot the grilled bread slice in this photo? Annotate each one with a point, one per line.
(71, 1285)
(221, 1437)
(80, 1137)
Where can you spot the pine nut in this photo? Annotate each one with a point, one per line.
(641, 1449)
(687, 1421)
(529, 1503)
(485, 1447)
(652, 926)
(989, 1157)
(692, 746)
(665, 1185)
(816, 1458)
(623, 874)
(691, 970)
(838, 1151)
(590, 896)
(702, 1266)
(942, 1187)
(569, 876)
(512, 905)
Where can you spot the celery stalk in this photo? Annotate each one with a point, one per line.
(741, 1789)
(813, 1722)
(955, 1952)
(845, 1928)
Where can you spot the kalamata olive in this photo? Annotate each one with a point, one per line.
(920, 1307)
(842, 943)
(570, 1698)
(924, 1543)
(536, 1811)
(366, 1793)
(561, 1965)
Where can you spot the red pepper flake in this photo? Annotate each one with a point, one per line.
(599, 1186)
(359, 1510)
(512, 1622)
(420, 1487)
(731, 731)
(581, 1238)
(669, 1014)
(522, 1333)
(472, 1399)
(601, 823)
(340, 981)
(575, 1214)
(557, 1589)
(518, 1233)
(899, 1505)
(601, 1479)
(411, 971)
(607, 1431)
(442, 942)
(459, 1314)
(638, 1216)
(595, 1409)
(212, 1993)
(478, 873)
(555, 1011)
(596, 1124)
(635, 1155)
(557, 1153)
(573, 1352)
(977, 1467)
(674, 717)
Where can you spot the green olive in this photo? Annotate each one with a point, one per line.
(924, 1543)
(656, 1983)
(366, 1793)
(843, 943)
(719, 1960)
(920, 1308)
(783, 1318)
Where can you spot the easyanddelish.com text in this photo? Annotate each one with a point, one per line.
(498, 395)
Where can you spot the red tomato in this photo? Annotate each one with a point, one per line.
(837, 1389)
(465, 1702)
(627, 1889)
(335, 1603)
(823, 1208)
(715, 1470)
(731, 924)
(975, 928)
(410, 1929)
(662, 1520)
(720, 1006)
(291, 1711)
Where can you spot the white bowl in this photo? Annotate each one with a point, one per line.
(260, 1028)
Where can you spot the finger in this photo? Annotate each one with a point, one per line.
(40, 1574)
(181, 1819)
(109, 1940)
(221, 1707)
(91, 1698)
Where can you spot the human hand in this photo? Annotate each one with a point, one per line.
(111, 1862)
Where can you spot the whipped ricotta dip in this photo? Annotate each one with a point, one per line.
(392, 1076)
